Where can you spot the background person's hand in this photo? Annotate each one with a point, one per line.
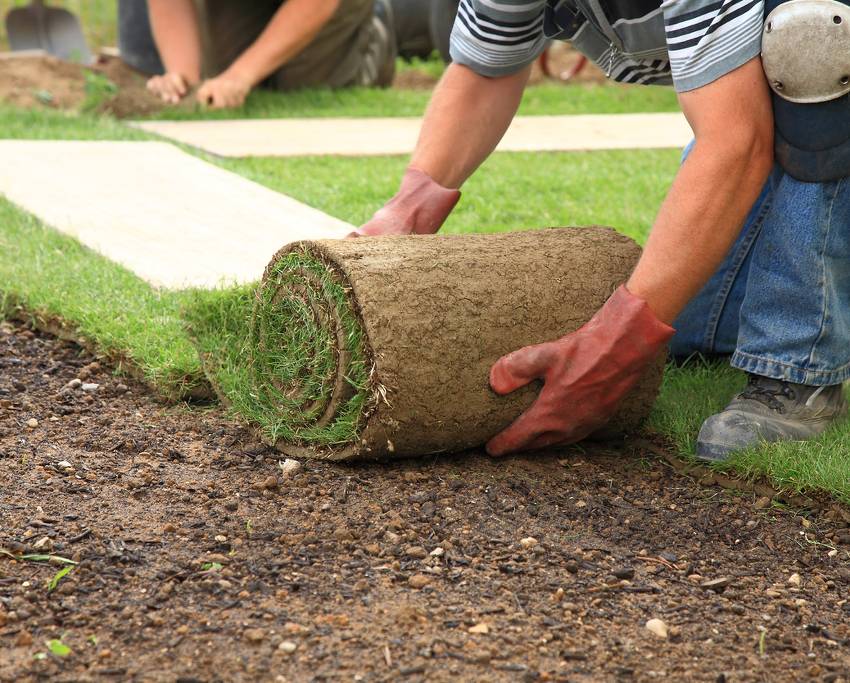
(226, 91)
(585, 374)
(420, 207)
(169, 87)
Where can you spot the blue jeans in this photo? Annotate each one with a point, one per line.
(780, 302)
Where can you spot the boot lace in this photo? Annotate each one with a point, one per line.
(768, 394)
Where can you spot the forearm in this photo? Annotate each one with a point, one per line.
(698, 222)
(175, 29)
(293, 28)
(466, 119)
(713, 192)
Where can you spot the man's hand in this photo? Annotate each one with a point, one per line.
(420, 207)
(585, 375)
(226, 91)
(170, 87)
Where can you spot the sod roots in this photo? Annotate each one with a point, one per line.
(378, 348)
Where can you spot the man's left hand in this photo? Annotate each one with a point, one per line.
(585, 374)
(226, 91)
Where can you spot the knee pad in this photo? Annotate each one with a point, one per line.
(806, 57)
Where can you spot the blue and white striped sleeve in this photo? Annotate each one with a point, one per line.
(498, 37)
(708, 39)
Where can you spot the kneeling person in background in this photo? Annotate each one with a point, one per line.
(228, 48)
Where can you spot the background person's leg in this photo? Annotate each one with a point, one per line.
(354, 48)
(229, 28)
(135, 39)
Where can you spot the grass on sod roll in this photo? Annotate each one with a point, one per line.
(53, 273)
(259, 349)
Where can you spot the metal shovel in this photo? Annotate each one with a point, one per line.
(54, 30)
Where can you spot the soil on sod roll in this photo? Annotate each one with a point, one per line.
(381, 348)
(199, 561)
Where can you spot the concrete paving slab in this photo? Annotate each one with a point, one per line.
(381, 136)
(171, 218)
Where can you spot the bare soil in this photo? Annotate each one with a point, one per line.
(200, 561)
(29, 81)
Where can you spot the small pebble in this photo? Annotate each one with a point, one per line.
(794, 580)
(480, 629)
(254, 635)
(89, 387)
(270, 483)
(75, 383)
(657, 627)
(287, 647)
(32, 423)
(437, 552)
(528, 542)
(290, 467)
(418, 581)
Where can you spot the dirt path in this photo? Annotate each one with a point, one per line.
(199, 561)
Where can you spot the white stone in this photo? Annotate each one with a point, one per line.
(658, 627)
(89, 386)
(290, 467)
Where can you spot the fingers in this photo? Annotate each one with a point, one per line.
(517, 369)
(218, 93)
(206, 94)
(518, 436)
(170, 87)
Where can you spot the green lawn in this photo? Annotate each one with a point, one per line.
(142, 329)
(546, 98)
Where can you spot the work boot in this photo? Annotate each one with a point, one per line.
(384, 48)
(770, 410)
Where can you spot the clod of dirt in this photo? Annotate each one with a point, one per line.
(107, 87)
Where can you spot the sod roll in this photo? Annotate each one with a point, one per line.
(381, 347)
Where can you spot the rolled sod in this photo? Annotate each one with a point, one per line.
(381, 347)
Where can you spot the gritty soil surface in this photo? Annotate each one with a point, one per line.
(29, 81)
(201, 560)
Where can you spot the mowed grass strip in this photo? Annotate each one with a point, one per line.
(543, 99)
(512, 191)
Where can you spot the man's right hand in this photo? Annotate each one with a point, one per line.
(170, 87)
(420, 207)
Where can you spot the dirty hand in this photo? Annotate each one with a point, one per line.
(170, 87)
(420, 207)
(585, 374)
(226, 91)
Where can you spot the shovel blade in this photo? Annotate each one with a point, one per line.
(51, 29)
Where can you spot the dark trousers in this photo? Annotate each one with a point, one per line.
(334, 58)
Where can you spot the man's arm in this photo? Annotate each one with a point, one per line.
(174, 24)
(713, 192)
(466, 118)
(587, 373)
(293, 27)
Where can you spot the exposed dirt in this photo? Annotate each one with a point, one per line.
(28, 81)
(199, 561)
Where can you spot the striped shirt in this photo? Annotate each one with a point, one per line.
(686, 43)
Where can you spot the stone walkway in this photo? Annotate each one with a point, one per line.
(171, 218)
(382, 136)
